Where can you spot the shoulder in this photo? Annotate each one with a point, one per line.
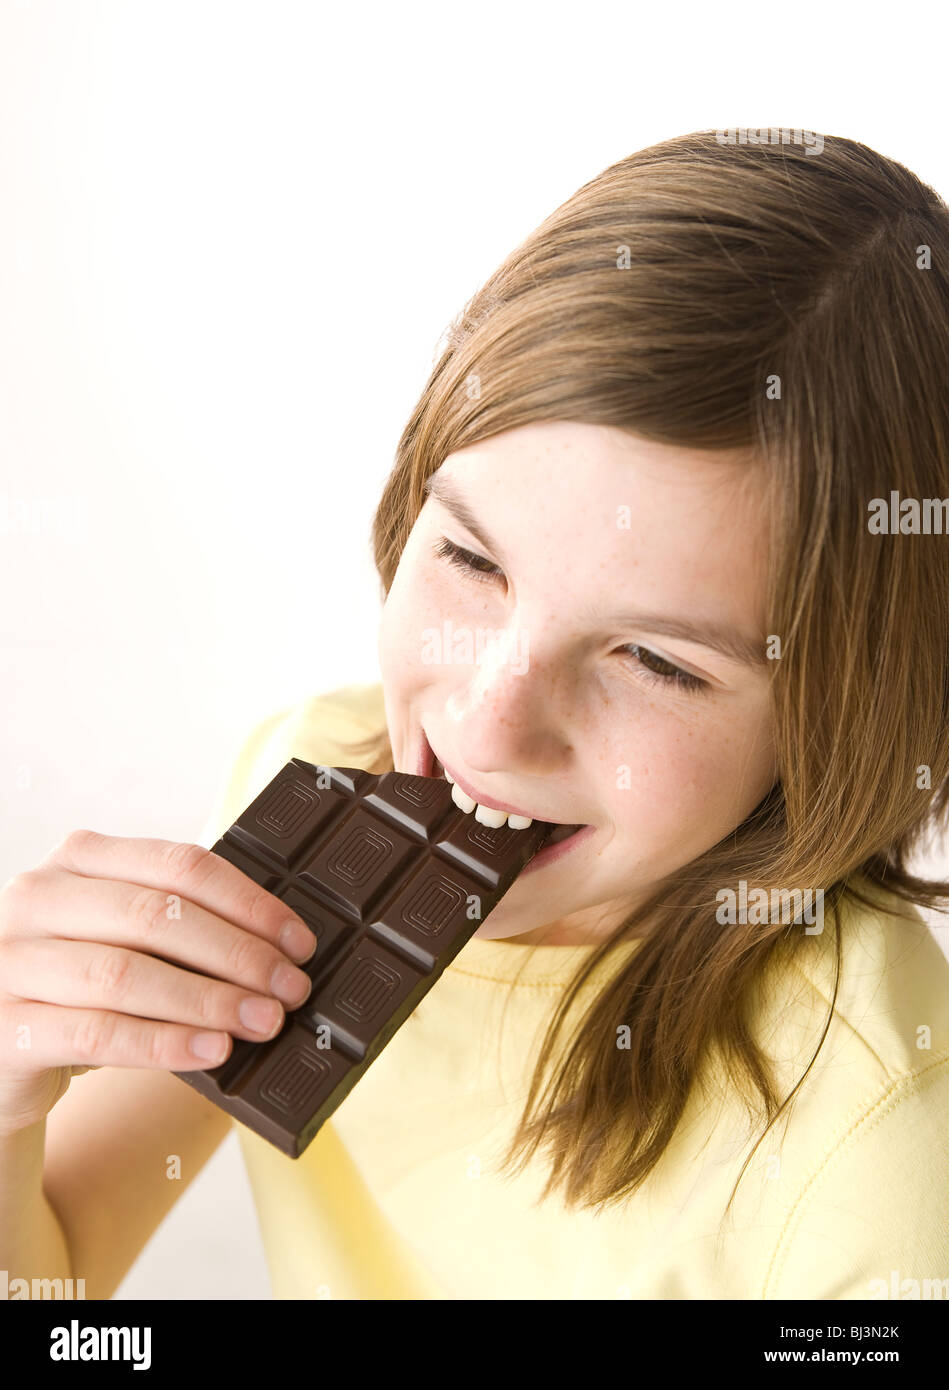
(326, 721)
(891, 997)
(867, 1138)
(317, 729)
(872, 1210)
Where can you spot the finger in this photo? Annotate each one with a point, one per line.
(85, 974)
(62, 905)
(192, 872)
(41, 1036)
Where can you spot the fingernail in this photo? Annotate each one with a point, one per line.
(297, 941)
(210, 1047)
(261, 1015)
(290, 984)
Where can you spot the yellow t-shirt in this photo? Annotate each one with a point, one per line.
(395, 1198)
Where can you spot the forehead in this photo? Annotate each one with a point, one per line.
(600, 509)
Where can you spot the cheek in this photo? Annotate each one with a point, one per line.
(412, 604)
(709, 767)
(395, 635)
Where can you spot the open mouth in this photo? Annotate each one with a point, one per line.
(487, 815)
(563, 832)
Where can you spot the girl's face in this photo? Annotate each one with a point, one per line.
(604, 663)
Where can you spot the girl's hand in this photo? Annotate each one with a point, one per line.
(81, 982)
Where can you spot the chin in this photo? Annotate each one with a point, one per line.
(490, 932)
(500, 924)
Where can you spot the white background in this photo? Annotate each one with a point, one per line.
(231, 236)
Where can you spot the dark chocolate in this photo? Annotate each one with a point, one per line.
(393, 879)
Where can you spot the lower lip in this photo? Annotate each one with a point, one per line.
(425, 768)
(554, 852)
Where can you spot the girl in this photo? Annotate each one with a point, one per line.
(638, 577)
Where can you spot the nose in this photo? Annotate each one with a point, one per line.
(509, 721)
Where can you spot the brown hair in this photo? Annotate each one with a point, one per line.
(663, 298)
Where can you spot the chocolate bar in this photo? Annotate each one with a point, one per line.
(393, 879)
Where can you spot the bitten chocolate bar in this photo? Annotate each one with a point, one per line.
(393, 879)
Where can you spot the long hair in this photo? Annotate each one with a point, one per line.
(794, 305)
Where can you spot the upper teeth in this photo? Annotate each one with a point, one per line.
(485, 815)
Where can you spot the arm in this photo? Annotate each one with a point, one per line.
(83, 1191)
(32, 1241)
(115, 1143)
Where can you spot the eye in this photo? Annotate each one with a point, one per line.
(655, 669)
(650, 668)
(475, 566)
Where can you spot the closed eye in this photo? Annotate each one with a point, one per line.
(476, 566)
(667, 674)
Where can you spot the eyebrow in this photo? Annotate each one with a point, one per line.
(720, 637)
(446, 492)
